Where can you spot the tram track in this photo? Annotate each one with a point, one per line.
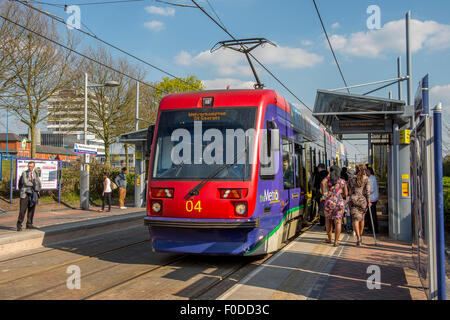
(69, 262)
(214, 284)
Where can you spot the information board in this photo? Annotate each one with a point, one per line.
(46, 169)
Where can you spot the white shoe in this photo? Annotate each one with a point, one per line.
(123, 207)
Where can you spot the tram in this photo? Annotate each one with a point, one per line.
(230, 171)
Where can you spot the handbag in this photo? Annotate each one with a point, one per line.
(113, 185)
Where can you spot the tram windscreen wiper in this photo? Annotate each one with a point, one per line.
(196, 190)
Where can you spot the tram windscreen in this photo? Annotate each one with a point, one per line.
(193, 144)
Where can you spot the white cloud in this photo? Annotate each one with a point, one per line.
(154, 25)
(441, 93)
(228, 62)
(160, 10)
(391, 38)
(222, 83)
(307, 43)
(335, 25)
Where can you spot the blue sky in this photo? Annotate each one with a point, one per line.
(178, 40)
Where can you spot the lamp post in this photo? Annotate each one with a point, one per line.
(84, 174)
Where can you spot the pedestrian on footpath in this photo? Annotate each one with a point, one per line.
(334, 191)
(359, 200)
(374, 194)
(106, 194)
(29, 186)
(121, 182)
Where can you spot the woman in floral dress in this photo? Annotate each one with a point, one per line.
(333, 190)
(359, 199)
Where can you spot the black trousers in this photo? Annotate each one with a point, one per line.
(23, 209)
(374, 217)
(106, 197)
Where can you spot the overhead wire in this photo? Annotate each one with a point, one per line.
(176, 4)
(61, 20)
(262, 65)
(329, 44)
(81, 54)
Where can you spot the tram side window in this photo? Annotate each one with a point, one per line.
(299, 168)
(288, 172)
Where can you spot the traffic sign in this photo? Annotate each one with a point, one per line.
(84, 149)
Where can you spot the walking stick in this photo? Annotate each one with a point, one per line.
(373, 227)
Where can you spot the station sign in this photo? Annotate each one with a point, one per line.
(421, 99)
(362, 126)
(84, 149)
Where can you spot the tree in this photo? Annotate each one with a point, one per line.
(7, 42)
(167, 86)
(110, 108)
(39, 68)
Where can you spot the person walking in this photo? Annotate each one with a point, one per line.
(359, 200)
(374, 194)
(121, 182)
(334, 191)
(29, 186)
(106, 194)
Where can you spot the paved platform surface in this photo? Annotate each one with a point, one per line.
(62, 225)
(308, 268)
(47, 218)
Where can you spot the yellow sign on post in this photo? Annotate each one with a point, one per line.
(405, 189)
(405, 136)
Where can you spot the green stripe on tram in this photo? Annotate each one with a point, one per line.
(275, 230)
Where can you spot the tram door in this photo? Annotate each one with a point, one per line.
(291, 192)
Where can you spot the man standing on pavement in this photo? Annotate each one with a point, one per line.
(121, 182)
(29, 186)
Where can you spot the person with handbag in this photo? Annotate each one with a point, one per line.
(359, 200)
(29, 186)
(334, 191)
(106, 194)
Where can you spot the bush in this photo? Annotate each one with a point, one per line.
(447, 199)
(446, 166)
(70, 178)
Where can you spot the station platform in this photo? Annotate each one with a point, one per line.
(62, 225)
(309, 269)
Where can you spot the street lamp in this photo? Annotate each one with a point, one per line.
(84, 174)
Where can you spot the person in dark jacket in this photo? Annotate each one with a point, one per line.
(321, 174)
(29, 186)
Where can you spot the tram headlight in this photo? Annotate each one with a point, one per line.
(241, 208)
(156, 207)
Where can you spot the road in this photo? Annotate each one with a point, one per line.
(118, 265)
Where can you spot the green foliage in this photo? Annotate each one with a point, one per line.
(446, 166)
(167, 85)
(447, 199)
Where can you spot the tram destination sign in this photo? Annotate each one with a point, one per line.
(362, 126)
